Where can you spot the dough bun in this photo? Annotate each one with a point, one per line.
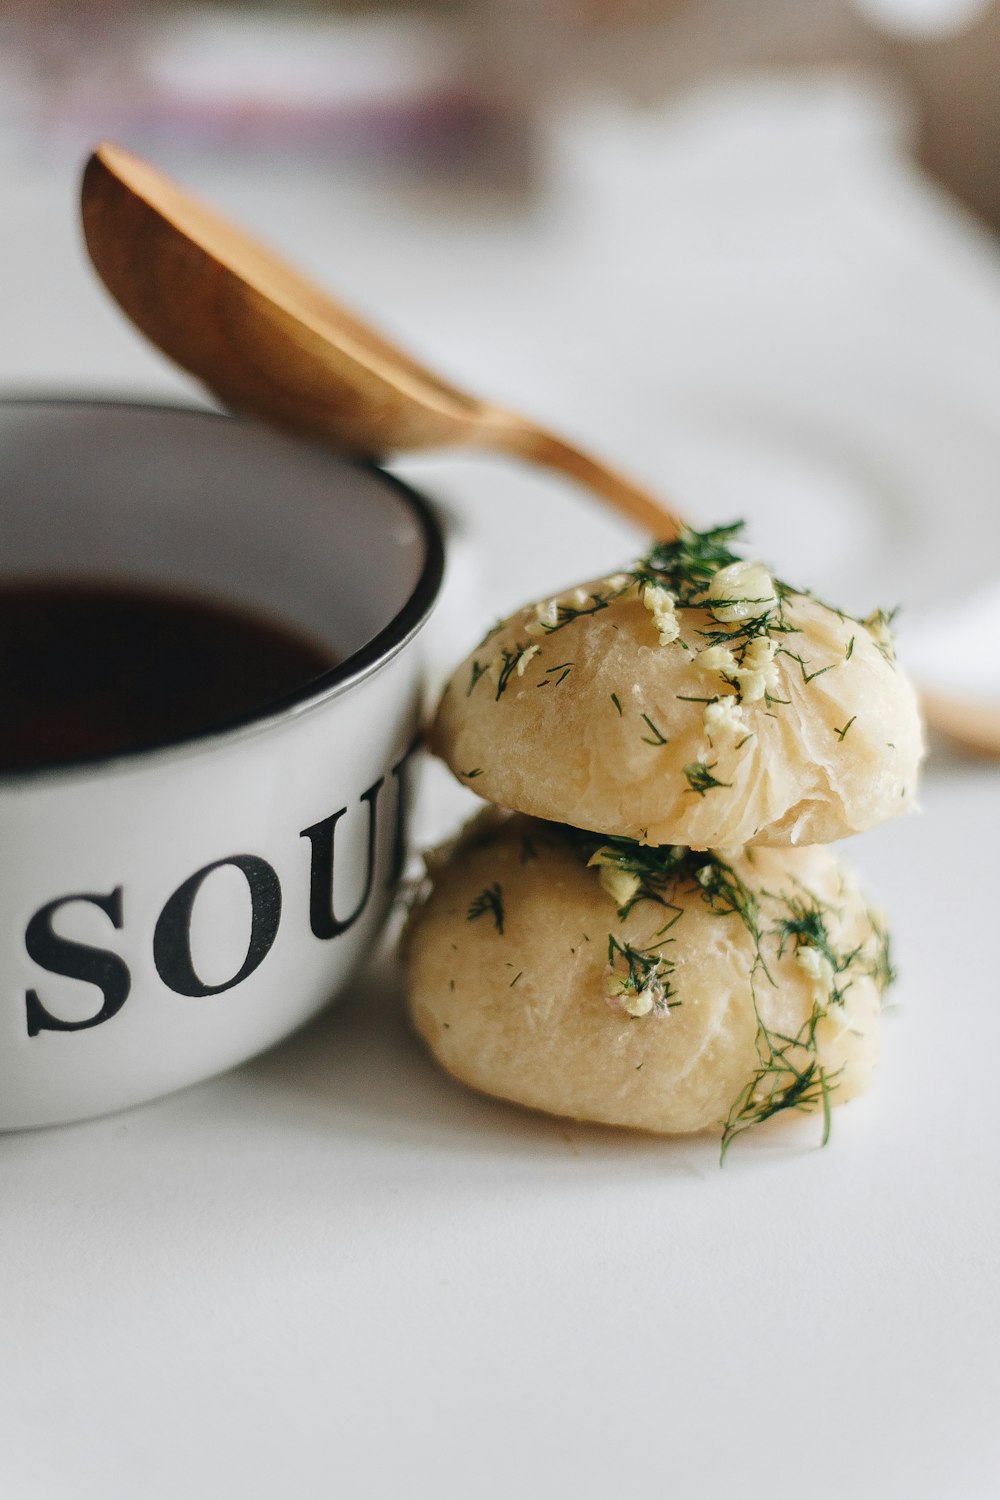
(510, 985)
(600, 725)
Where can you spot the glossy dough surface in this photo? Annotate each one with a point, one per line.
(577, 734)
(525, 1013)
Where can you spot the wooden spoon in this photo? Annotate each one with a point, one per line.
(266, 341)
(974, 727)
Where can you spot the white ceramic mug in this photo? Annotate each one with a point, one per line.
(166, 913)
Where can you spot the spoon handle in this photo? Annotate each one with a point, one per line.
(506, 433)
(973, 726)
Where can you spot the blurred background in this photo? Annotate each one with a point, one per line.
(462, 82)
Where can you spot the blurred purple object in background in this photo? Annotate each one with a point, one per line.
(248, 82)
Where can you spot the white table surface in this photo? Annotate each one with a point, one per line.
(336, 1272)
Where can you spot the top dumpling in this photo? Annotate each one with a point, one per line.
(694, 700)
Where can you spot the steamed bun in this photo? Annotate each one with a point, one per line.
(654, 988)
(694, 700)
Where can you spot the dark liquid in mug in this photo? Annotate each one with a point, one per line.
(93, 669)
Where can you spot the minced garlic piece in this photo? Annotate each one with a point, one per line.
(579, 598)
(618, 581)
(759, 652)
(758, 674)
(755, 683)
(638, 1005)
(820, 970)
(747, 589)
(661, 604)
(652, 998)
(716, 659)
(724, 717)
(657, 599)
(525, 657)
(544, 618)
(621, 885)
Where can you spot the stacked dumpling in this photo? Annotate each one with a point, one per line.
(653, 935)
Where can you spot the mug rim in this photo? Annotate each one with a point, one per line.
(336, 680)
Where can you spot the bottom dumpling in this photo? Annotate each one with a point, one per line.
(657, 988)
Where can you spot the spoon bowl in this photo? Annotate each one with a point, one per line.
(266, 341)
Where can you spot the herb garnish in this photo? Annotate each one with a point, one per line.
(700, 779)
(660, 739)
(807, 676)
(805, 927)
(789, 1074)
(881, 968)
(687, 565)
(563, 667)
(566, 613)
(879, 625)
(645, 987)
(488, 901)
(506, 664)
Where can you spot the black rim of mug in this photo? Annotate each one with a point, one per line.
(368, 658)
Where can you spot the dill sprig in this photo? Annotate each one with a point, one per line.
(508, 666)
(789, 1074)
(656, 867)
(567, 611)
(726, 895)
(687, 565)
(656, 737)
(488, 902)
(563, 668)
(646, 980)
(879, 625)
(502, 667)
(686, 568)
(478, 669)
(805, 927)
(881, 968)
(700, 779)
(807, 676)
(736, 635)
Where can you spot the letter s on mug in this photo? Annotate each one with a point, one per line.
(76, 961)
